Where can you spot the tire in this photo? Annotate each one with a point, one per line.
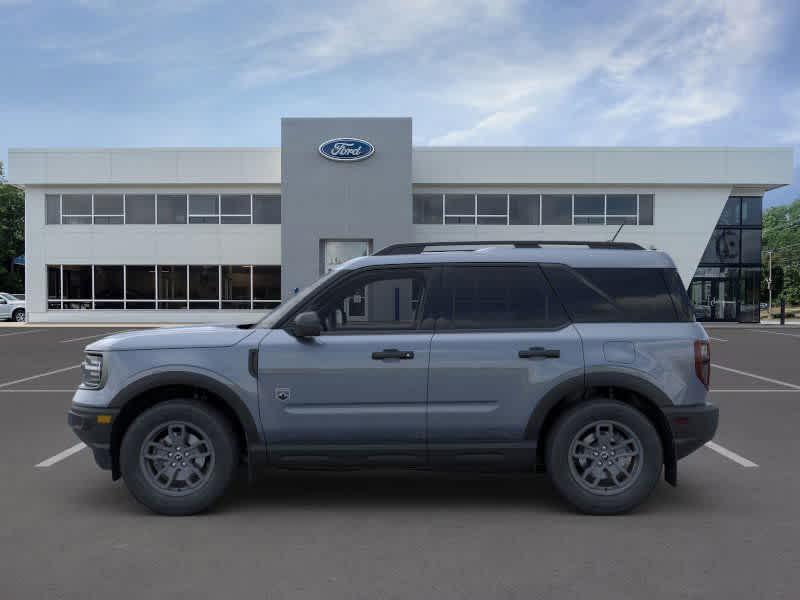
(18, 315)
(195, 484)
(609, 428)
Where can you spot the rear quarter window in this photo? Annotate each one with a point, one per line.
(616, 295)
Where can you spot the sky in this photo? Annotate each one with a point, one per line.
(106, 73)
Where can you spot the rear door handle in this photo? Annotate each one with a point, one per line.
(393, 353)
(539, 352)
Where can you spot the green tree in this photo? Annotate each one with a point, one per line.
(781, 235)
(12, 235)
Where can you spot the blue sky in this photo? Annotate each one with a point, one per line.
(470, 72)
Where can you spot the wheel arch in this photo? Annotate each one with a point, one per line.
(635, 391)
(153, 389)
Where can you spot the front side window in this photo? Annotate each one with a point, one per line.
(497, 297)
(374, 300)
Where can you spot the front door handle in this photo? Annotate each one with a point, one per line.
(393, 353)
(539, 352)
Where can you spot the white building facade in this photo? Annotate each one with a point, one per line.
(223, 234)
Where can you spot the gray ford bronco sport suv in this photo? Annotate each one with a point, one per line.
(582, 360)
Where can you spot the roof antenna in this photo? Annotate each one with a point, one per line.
(613, 239)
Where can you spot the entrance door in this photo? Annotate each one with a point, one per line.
(714, 299)
(357, 393)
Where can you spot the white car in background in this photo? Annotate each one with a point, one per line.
(12, 308)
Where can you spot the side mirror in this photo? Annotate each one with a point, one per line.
(307, 324)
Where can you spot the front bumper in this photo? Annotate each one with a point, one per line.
(93, 427)
(692, 426)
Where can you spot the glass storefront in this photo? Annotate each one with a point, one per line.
(726, 284)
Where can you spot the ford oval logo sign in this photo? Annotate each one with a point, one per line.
(344, 149)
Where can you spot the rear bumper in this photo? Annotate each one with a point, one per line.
(95, 434)
(692, 426)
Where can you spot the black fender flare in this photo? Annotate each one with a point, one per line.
(577, 387)
(256, 446)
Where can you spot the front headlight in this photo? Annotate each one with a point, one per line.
(92, 369)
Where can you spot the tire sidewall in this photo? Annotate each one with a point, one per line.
(221, 436)
(17, 312)
(557, 456)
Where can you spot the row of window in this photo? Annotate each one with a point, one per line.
(500, 297)
(162, 209)
(533, 209)
(164, 287)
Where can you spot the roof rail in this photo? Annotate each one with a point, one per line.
(420, 247)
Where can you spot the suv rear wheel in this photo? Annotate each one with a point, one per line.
(604, 457)
(178, 457)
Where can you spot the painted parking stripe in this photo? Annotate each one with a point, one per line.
(22, 332)
(740, 460)
(794, 335)
(716, 339)
(754, 376)
(49, 462)
(24, 379)
(90, 337)
(42, 391)
(723, 391)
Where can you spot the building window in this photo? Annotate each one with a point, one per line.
(109, 209)
(533, 209)
(163, 287)
(53, 209)
(76, 209)
(235, 209)
(140, 209)
(164, 209)
(523, 209)
(171, 209)
(428, 209)
(557, 209)
(266, 209)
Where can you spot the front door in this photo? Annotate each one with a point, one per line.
(714, 299)
(502, 342)
(358, 392)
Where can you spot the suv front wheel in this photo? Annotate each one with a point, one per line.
(178, 457)
(604, 457)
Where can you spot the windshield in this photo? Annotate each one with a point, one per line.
(8, 297)
(285, 307)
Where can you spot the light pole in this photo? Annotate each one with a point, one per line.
(769, 285)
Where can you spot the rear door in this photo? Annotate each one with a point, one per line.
(502, 342)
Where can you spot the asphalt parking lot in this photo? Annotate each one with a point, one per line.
(729, 530)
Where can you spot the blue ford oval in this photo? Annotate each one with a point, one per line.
(351, 149)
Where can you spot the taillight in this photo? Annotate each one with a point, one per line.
(702, 361)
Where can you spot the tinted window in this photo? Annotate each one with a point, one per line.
(523, 209)
(76, 208)
(140, 209)
(236, 287)
(266, 286)
(53, 206)
(428, 209)
(77, 282)
(613, 295)
(388, 299)
(172, 286)
(751, 245)
(680, 299)
(140, 281)
(266, 209)
(557, 209)
(203, 285)
(495, 297)
(751, 211)
(108, 282)
(730, 214)
(723, 247)
(646, 209)
(171, 209)
(108, 209)
(460, 205)
(235, 208)
(621, 204)
(203, 208)
(54, 282)
(492, 209)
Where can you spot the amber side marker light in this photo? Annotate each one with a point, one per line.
(104, 419)
(702, 361)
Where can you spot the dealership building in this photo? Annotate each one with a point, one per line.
(224, 234)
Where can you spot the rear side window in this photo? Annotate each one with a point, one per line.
(680, 299)
(498, 297)
(614, 295)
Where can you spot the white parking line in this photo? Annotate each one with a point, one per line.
(22, 332)
(717, 339)
(88, 337)
(49, 462)
(723, 391)
(61, 391)
(754, 376)
(794, 335)
(741, 460)
(24, 379)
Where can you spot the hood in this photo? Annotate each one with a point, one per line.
(201, 336)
